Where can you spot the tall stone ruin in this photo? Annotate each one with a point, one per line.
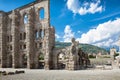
(24, 34)
(28, 41)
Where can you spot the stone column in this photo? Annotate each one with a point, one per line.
(112, 53)
(15, 46)
(47, 51)
(73, 59)
(3, 31)
(30, 39)
(48, 55)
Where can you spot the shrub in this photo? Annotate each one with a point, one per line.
(91, 56)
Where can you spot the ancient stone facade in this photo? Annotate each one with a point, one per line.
(28, 40)
(70, 58)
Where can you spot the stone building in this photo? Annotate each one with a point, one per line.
(28, 41)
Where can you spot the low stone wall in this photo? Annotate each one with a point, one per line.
(11, 72)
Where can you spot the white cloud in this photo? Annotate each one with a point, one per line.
(83, 8)
(57, 36)
(68, 34)
(105, 34)
(106, 43)
(79, 32)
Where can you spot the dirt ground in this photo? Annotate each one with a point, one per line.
(37, 74)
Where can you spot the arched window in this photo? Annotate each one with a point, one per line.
(36, 34)
(20, 36)
(41, 14)
(24, 46)
(24, 35)
(10, 47)
(25, 19)
(40, 45)
(10, 38)
(40, 32)
(24, 60)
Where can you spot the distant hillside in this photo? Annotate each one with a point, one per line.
(85, 47)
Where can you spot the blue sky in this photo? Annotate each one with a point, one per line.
(94, 22)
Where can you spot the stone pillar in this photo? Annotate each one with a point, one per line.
(47, 49)
(30, 39)
(112, 53)
(3, 31)
(15, 46)
(72, 63)
(73, 57)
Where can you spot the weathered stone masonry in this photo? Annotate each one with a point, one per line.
(25, 36)
(12, 26)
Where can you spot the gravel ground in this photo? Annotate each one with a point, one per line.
(37, 74)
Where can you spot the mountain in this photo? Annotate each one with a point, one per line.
(85, 47)
(108, 48)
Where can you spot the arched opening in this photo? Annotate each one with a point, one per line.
(25, 19)
(20, 36)
(36, 34)
(61, 60)
(10, 61)
(40, 33)
(24, 46)
(41, 13)
(24, 36)
(10, 47)
(9, 38)
(41, 61)
(24, 61)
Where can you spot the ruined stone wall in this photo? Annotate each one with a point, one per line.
(3, 26)
(22, 35)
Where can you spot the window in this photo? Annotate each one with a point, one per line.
(10, 47)
(24, 35)
(41, 14)
(40, 45)
(35, 45)
(36, 34)
(9, 38)
(24, 46)
(20, 36)
(40, 33)
(25, 19)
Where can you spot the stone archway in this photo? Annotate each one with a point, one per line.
(9, 61)
(41, 60)
(24, 61)
(61, 62)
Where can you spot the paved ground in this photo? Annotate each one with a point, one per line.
(37, 74)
